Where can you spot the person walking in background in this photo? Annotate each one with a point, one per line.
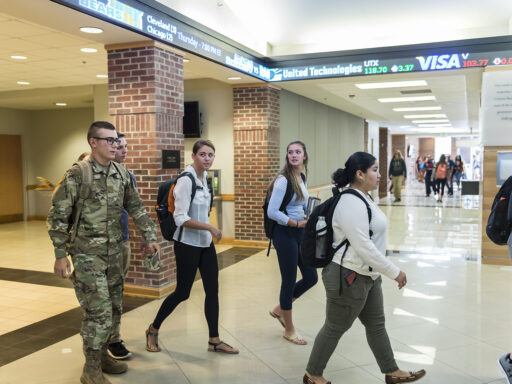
(194, 249)
(429, 168)
(288, 234)
(441, 171)
(397, 174)
(116, 347)
(449, 174)
(458, 170)
(353, 281)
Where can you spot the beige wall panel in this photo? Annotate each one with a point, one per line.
(11, 176)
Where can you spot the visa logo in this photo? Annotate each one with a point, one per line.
(439, 62)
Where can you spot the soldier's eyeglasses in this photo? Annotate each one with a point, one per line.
(109, 140)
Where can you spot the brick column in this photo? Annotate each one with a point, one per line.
(256, 141)
(383, 161)
(146, 103)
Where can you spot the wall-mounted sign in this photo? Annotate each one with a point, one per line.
(153, 23)
(503, 166)
(170, 159)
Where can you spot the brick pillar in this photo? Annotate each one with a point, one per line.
(256, 141)
(146, 103)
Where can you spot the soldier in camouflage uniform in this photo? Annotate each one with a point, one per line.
(95, 244)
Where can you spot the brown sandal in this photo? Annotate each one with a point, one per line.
(308, 380)
(278, 317)
(214, 347)
(413, 376)
(154, 335)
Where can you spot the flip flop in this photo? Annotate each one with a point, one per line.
(214, 347)
(279, 318)
(295, 339)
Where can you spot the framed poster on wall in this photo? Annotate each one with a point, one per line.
(503, 166)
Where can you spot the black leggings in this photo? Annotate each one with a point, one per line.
(188, 260)
(440, 186)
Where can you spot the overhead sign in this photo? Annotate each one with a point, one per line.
(159, 26)
(155, 24)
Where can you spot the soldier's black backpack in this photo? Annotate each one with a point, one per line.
(316, 246)
(165, 204)
(268, 223)
(499, 222)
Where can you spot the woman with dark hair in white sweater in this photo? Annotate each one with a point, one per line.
(353, 279)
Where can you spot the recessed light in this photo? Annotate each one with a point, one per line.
(434, 125)
(412, 109)
(102, 76)
(93, 30)
(23, 82)
(428, 116)
(234, 78)
(406, 99)
(430, 121)
(18, 57)
(60, 104)
(186, 60)
(89, 50)
(392, 84)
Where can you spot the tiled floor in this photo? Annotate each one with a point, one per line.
(452, 318)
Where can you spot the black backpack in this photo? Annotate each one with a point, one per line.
(165, 213)
(316, 246)
(268, 223)
(499, 221)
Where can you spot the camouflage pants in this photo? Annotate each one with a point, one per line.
(98, 281)
(115, 335)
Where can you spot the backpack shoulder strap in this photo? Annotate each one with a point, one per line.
(84, 169)
(351, 191)
(288, 195)
(194, 184)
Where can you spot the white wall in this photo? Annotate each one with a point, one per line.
(58, 137)
(330, 135)
(16, 122)
(216, 107)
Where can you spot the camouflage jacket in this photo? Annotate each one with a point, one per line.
(99, 229)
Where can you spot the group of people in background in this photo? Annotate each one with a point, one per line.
(436, 176)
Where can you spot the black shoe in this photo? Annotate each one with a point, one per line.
(118, 351)
(506, 366)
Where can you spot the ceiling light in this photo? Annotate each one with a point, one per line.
(102, 76)
(430, 121)
(234, 78)
(186, 60)
(434, 125)
(406, 98)
(93, 30)
(412, 109)
(22, 82)
(392, 84)
(89, 50)
(18, 57)
(427, 116)
(60, 104)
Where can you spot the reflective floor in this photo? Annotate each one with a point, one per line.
(453, 318)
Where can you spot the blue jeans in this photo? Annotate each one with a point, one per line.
(287, 243)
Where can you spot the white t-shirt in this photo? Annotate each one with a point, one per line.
(364, 255)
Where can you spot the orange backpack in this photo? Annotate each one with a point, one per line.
(441, 171)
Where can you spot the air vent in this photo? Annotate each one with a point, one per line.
(416, 92)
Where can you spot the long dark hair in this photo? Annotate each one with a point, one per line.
(358, 161)
(287, 170)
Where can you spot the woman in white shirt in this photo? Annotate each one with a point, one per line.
(353, 279)
(287, 235)
(194, 249)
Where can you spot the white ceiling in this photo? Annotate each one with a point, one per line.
(48, 34)
(285, 27)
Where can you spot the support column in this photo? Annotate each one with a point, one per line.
(256, 141)
(495, 114)
(146, 104)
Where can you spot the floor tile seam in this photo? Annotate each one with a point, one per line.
(253, 354)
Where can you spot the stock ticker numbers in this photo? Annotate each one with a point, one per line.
(502, 61)
(402, 68)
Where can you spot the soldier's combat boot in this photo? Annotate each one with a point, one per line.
(111, 365)
(92, 369)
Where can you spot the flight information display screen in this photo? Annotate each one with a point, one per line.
(155, 24)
